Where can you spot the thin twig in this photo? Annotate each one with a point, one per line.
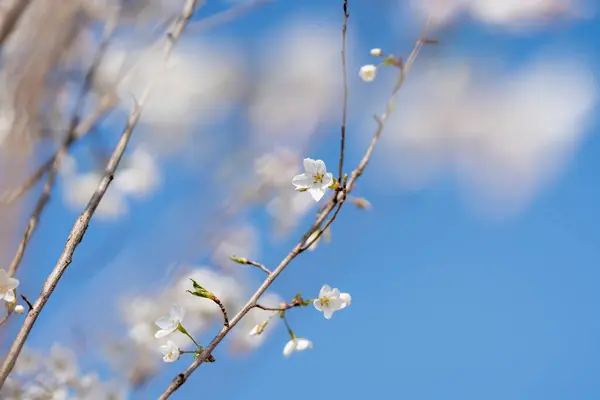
(345, 99)
(181, 378)
(26, 300)
(82, 222)
(226, 16)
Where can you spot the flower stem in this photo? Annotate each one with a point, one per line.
(288, 326)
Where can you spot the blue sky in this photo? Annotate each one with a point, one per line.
(447, 304)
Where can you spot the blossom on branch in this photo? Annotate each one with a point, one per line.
(315, 179)
(169, 324)
(368, 72)
(7, 287)
(331, 300)
(170, 351)
(296, 344)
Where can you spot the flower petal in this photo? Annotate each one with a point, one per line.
(328, 313)
(12, 283)
(316, 193)
(318, 305)
(320, 167)
(161, 333)
(9, 296)
(177, 312)
(164, 323)
(335, 293)
(289, 347)
(3, 277)
(303, 181)
(327, 179)
(346, 298)
(303, 344)
(310, 166)
(325, 290)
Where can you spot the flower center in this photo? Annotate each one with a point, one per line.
(325, 301)
(318, 178)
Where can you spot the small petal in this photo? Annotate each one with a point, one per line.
(310, 166)
(328, 313)
(162, 333)
(320, 168)
(325, 290)
(303, 344)
(316, 193)
(303, 181)
(289, 348)
(9, 296)
(346, 298)
(327, 179)
(318, 305)
(164, 323)
(177, 312)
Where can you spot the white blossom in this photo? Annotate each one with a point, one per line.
(170, 351)
(7, 286)
(331, 300)
(19, 309)
(367, 72)
(315, 178)
(258, 329)
(296, 344)
(63, 363)
(169, 324)
(376, 52)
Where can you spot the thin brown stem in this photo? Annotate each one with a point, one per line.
(340, 196)
(223, 311)
(345, 97)
(82, 222)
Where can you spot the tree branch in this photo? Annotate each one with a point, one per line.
(339, 198)
(82, 222)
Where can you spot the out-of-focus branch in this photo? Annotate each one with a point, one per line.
(70, 137)
(82, 222)
(300, 247)
(345, 99)
(83, 128)
(11, 18)
(228, 15)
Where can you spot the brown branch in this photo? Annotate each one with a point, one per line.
(345, 99)
(82, 222)
(11, 18)
(340, 196)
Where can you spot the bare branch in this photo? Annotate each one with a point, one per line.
(338, 199)
(82, 222)
(345, 99)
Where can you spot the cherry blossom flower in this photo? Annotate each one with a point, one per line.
(7, 287)
(169, 324)
(376, 52)
(296, 344)
(170, 351)
(315, 178)
(19, 309)
(331, 300)
(368, 72)
(258, 329)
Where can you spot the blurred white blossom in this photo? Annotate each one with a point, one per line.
(506, 13)
(169, 324)
(507, 138)
(62, 363)
(295, 92)
(368, 72)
